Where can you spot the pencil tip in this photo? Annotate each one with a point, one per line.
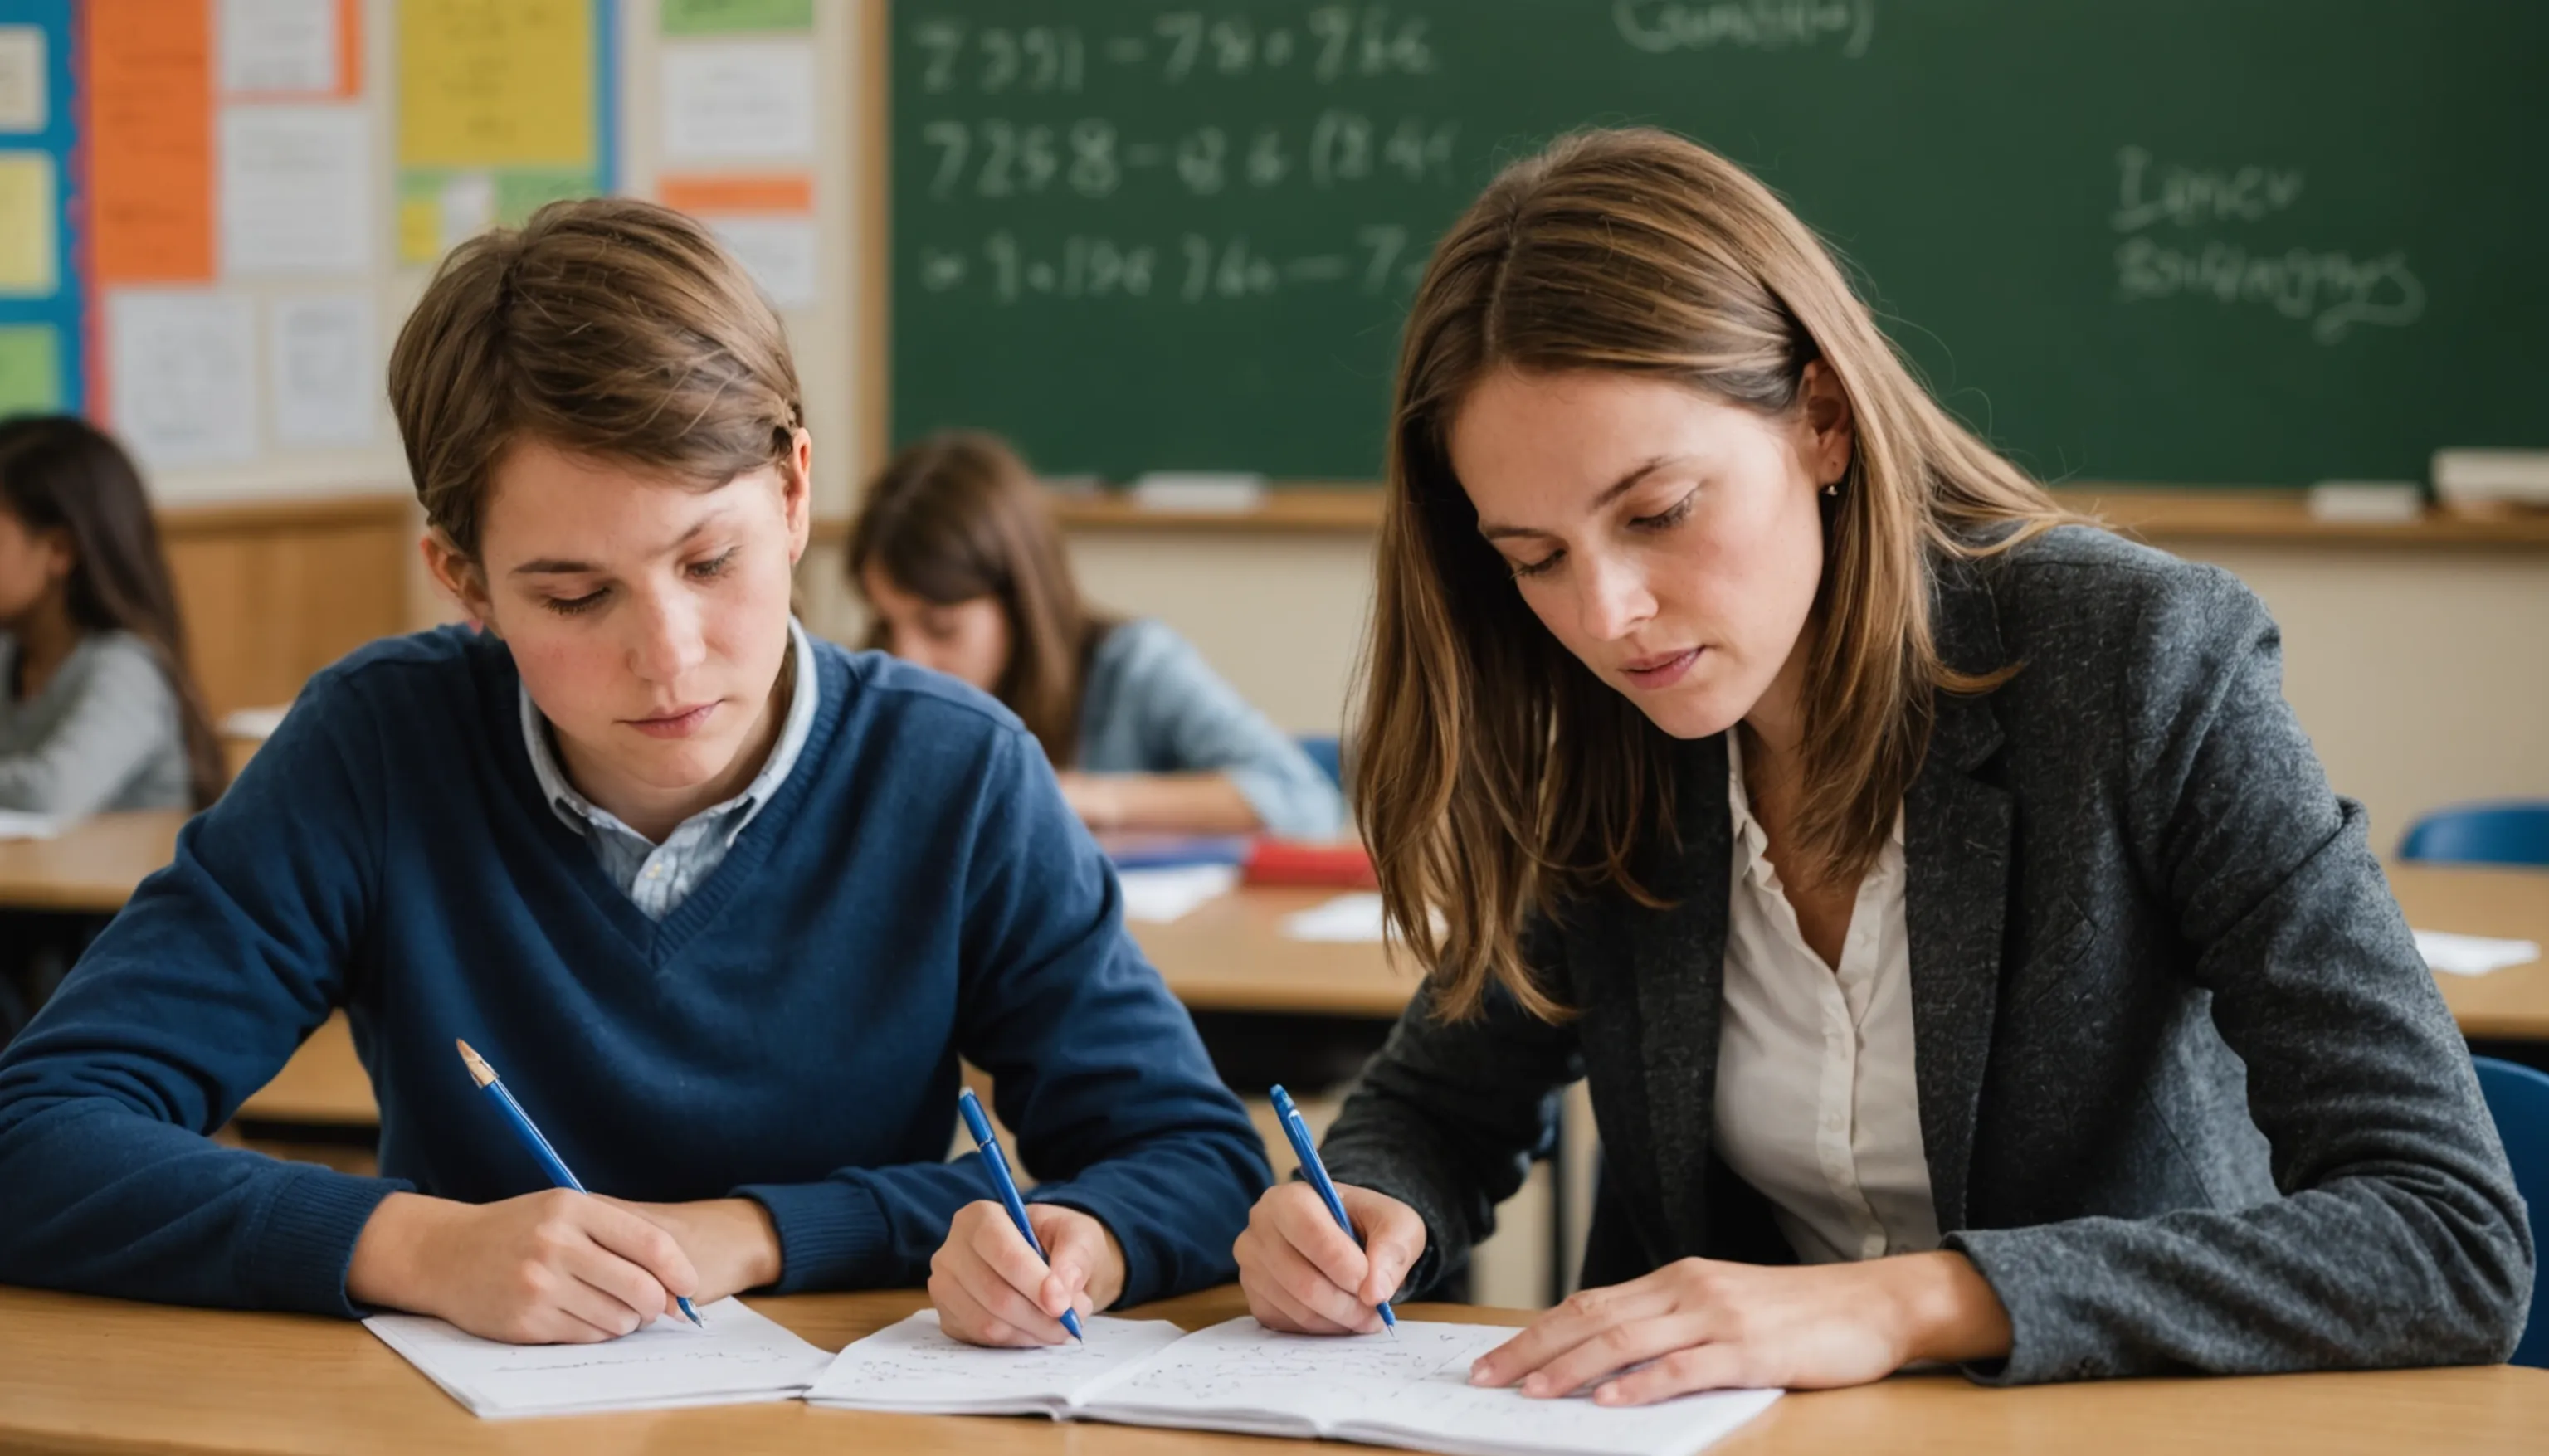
(479, 1071)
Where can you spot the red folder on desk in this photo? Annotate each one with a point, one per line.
(1342, 864)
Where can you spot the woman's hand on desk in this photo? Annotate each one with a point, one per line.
(1301, 1272)
(991, 1290)
(556, 1267)
(1699, 1324)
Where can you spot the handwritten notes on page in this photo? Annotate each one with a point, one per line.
(915, 1366)
(740, 1356)
(1239, 1375)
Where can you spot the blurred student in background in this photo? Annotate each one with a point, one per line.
(962, 570)
(99, 711)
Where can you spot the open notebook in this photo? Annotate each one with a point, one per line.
(1411, 1391)
(739, 1356)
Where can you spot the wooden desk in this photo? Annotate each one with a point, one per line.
(2513, 903)
(91, 866)
(103, 1376)
(1227, 955)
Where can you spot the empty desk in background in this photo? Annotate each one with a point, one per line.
(103, 1376)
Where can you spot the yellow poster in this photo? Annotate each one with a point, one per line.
(29, 246)
(496, 83)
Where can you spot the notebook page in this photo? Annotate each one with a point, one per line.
(1239, 1375)
(1447, 1414)
(739, 1356)
(914, 1366)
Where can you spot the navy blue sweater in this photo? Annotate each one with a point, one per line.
(915, 891)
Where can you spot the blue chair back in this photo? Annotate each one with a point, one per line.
(2518, 1096)
(2511, 833)
(1328, 752)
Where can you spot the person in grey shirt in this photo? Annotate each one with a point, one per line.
(100, 711)
(97, 708)
(962, 568)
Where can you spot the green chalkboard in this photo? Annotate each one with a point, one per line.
(2201, 241)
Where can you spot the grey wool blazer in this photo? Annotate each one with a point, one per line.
(2189, 1097)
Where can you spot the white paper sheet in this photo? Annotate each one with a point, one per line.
(782, 253)
(255, 723)
(911, 1365)
(1164, 896)
(729, 101)
(2459, 955)
(19, 824)
(1347, 918)
(277, 48)
(740, 1356)
(26, 83)
(296, 189)
(181, 366)
(326, 378)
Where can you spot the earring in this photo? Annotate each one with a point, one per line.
(1833, 489)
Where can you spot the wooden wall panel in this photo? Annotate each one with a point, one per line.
(274, 592)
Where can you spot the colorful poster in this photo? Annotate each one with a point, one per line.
(150, 143)
(29, 247)
(42, 352)
(30, 369)
(503, 105)
(766, 222)
(736, 17)
(275, 48)
(25, 93)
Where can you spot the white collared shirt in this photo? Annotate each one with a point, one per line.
(659, 877)
(1815, 1103)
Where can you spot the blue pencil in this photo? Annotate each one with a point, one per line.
(1317, 1172)
(1008, 1187)
(485, 1076)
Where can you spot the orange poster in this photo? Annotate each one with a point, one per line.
(150, 141)
(788, 191)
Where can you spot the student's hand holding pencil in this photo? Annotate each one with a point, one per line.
(991, 1289)
(554, 1267)
(1303, 1274)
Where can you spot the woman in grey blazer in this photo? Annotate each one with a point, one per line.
(1969, 960)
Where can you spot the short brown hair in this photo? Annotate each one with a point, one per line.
(1499, 779)
(959, 516)
(604, 327)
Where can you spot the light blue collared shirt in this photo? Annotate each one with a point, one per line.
(659, 877)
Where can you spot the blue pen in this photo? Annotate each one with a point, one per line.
(1317, 1172)
(1008, 1187)
(485, 1076)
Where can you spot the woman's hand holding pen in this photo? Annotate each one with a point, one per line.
(991, 1289)
(554, 1267)
(1302, 1273)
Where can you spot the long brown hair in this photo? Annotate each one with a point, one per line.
(959, 516)
(1499, 778)
(60, 473)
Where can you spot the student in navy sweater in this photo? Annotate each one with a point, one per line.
(722, 904)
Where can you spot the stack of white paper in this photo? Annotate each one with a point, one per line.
(19, 824)
(1162, 896)
(1347, 918)
(739, 1356)
(2460, 955)
(1239, 1375)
